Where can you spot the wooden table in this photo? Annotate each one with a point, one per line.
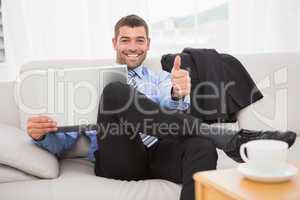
(228, 184)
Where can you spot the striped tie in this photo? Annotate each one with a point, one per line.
(131, 78)
(147, 139)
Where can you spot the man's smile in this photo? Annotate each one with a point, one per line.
(132, 55)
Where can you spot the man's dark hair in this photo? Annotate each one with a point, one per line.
(131, 21)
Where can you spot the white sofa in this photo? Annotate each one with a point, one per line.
(28, 172)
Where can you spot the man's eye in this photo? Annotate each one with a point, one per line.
(124, 40)
(141, 41)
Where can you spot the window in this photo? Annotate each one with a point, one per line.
(2, 49)
(196, 24)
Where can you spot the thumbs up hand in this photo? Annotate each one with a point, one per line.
(181, 81)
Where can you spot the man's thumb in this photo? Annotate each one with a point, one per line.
(177, 63)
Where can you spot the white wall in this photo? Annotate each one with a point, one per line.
(61, 29)
(66, 29)
(39, 30)
(16, 41)
(258, 26)
(56, 28)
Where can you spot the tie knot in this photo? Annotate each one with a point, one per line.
(131, 73)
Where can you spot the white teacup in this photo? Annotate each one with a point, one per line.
(265, 156)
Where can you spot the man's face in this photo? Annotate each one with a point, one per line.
(131, 46)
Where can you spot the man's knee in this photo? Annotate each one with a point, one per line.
(133, 167)
(117, 93)
(114, 88)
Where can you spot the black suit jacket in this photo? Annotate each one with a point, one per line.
(221, 86)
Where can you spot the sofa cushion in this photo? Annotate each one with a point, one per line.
(77, 181)
(18, 151)
(9, 174)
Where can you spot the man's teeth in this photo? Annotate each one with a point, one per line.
(132, 55)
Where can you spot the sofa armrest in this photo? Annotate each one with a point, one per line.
(17, 150)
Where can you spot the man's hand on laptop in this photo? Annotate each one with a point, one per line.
(38, 127)
(181, 81)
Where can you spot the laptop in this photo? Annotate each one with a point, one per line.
(70, 96)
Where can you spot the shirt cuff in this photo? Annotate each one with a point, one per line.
(74, 134)
(179, 105)
(39, 139)
(175, 98)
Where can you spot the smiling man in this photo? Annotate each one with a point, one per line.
(152, 137)
(131, 45)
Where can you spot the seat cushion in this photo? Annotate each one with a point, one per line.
(77, 181)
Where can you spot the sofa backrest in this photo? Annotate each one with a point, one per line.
(152, 63)
(277, 75)
(9, 113)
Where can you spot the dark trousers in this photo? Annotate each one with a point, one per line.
(178, 154)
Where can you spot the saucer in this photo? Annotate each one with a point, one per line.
(281, 176)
